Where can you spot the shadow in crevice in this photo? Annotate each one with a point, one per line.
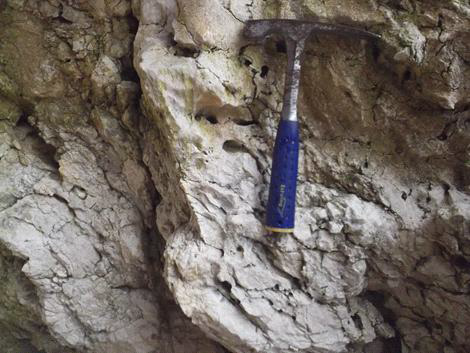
(19, 312)
(45, 151)
(378, 299)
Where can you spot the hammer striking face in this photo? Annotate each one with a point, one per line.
(280, 214)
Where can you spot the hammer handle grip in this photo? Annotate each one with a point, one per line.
(280, 214)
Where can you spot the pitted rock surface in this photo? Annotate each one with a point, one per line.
(382, 213)
(135, 153)
(79, 250)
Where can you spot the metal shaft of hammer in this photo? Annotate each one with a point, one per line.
(292, 84)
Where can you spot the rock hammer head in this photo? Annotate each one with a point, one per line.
(296, 30)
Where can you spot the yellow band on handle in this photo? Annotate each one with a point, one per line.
(280, 230)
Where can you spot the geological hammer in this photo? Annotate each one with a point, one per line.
(280, 213)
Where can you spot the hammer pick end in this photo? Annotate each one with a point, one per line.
(297, 30)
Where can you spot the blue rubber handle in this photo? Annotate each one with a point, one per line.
(280, 215)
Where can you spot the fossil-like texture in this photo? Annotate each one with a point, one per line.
(135, 143)
(380, 258)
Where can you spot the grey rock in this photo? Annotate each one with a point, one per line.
(131, 209)
(104, 78)
(368, 201)
(79, 254)
(127, 92)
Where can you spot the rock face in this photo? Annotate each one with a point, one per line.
(380, 255)
(106, 203)
(78, 243)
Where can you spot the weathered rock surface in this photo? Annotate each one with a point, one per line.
(100, 203)
(79, 252)
(379, 261)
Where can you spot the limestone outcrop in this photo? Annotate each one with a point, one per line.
(79, 251)
(383, 202)
(135, 151)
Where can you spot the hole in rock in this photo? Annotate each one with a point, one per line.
(227, 286)
(232, 146)
(183, 51)
(447, 131)
(357, 321)
(240, 248)
(264, 71)
(187, 52)
(406, 76)
(47, 152)
(462, 263)
(23, 121)
(375, 51)
(281, 47)
(212, 119)
(446, 188)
